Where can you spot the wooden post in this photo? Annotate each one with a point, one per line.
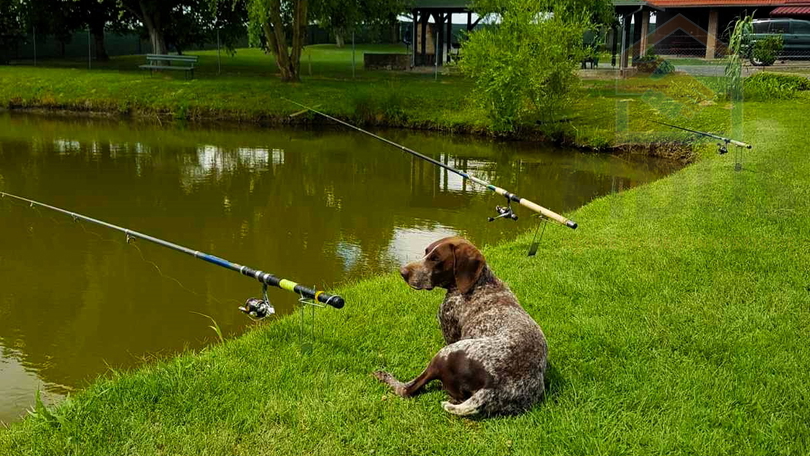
(616, 39)
(637, 51)
(439, 38)
(469, 20)
(425, 17)
(353, 54)
(219, 59)
(89, 51)
(449, 35)
(711, 38)
(413, 38)
(645, 30)
(624, 60)
(436, 58)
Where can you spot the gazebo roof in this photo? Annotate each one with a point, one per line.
(441, 4)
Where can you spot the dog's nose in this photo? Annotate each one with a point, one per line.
(405, 272)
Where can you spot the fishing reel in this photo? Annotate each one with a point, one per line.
(505, 212)
(259, 308)
(722, 148)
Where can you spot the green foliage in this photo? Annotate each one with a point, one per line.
(526, 64)
(650, 62)
(342, 16)
(732, 87)
(766, 50)
(766, 86)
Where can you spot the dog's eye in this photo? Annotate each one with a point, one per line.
(433, 257)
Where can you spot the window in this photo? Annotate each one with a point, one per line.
(760, 27)
(780, 27)
(801, 28)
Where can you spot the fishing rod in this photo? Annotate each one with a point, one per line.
(503, 212)
(723, 147)
(259, 308)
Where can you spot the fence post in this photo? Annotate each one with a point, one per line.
(219, 60)
(89, 52)
(436, 56)
(353, 54)
(35, 45)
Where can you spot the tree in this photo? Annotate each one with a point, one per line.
(11, 27)
(275, 18)
(183, 23)
(526, 63)
(97, 15)
(342, 16)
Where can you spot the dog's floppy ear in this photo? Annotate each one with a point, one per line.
(467, 265)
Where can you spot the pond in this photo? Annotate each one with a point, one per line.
(317, 206)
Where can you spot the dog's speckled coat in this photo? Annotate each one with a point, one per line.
(496, 354)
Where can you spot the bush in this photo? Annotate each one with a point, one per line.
(766, 50)
(652, 63)
(527, 64)
(769, 86)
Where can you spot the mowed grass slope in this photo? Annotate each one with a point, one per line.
(677, 317)
(249, 90)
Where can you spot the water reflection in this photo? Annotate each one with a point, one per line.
(320, 207)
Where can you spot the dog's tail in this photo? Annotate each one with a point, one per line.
(472, 405)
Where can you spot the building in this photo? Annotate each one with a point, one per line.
(682, 27)
(690, 27)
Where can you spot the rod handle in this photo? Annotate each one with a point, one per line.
(739, 143)
(547, 213)
(332, 300)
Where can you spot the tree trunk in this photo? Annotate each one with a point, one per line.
(287, 59)
(101, 50)
(339, 37)
(153, 26)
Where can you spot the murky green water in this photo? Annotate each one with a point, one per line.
(319, 207)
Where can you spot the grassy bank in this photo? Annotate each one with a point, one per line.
(677, 317)
(248, 90)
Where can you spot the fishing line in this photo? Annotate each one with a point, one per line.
(175, 280)
(255, 307)
(503, 212)
(77, 222)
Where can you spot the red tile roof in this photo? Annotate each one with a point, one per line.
(792, 11)
(709, 3)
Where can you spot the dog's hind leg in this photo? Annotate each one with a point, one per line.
(414, 386)
(473, 405)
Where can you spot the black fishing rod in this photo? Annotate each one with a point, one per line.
(723, 146)
(503, 212)
(255, 307)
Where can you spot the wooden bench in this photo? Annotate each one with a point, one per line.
(164, 62)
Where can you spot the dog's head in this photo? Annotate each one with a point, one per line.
(452, 263)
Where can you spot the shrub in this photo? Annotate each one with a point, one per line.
(766, 50)
(526, 64)
(650, 62)
(768, 86)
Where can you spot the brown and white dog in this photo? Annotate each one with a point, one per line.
(495, 355)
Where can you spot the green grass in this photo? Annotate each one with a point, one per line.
(677, 318)
(248, 90)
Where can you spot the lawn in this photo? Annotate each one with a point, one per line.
(248, 90)
(677, 317)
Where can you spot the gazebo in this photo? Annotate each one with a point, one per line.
(432, 42)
